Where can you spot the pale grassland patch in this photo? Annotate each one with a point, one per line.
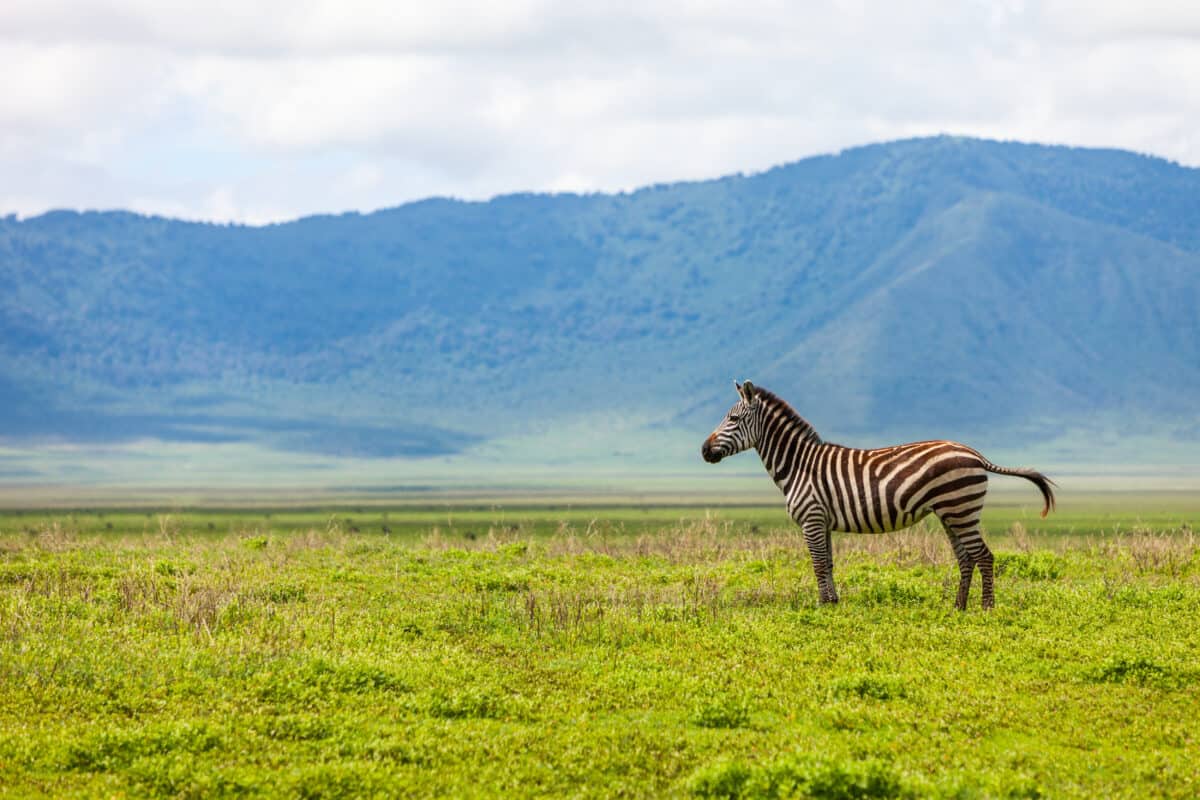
(197, 602)
(1019, 537)
(686, 543)
(922, 544)
(332, 537)
(706, 541)
(505, 539)
(200, 605)
(1163, 552)
(48, 580)
(56, 537)
(696, 598)
(138, 591)
(569, 610)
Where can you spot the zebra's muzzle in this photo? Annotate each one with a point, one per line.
(707, 452)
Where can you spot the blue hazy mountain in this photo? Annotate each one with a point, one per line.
(947, 285)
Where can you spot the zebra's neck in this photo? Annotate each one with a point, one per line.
(786, 440)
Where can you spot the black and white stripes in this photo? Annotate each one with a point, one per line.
(833, 488)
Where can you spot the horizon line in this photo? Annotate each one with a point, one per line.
(14, 217)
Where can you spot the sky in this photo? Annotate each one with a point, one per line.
(225, 110)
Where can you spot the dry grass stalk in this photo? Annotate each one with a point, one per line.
(1165, 552)
(54, 537)
(313, 539)
(922, 544)
(1019, 536)
(199, 606)
(139, 591)
(565, 609)
(168, 528)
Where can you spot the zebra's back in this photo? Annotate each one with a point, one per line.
(889, 488)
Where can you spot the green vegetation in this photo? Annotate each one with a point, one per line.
(591, 652)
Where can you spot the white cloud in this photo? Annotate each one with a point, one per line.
(1113, 21)
(274, 109)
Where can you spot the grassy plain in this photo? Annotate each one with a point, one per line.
(487, 649)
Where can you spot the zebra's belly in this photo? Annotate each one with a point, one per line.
(903, 520)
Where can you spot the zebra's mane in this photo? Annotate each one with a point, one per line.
(776, 403)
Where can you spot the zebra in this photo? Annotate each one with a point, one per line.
(833, 488)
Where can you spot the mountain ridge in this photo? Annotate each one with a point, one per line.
(977, 285)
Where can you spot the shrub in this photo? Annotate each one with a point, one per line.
(285, 593)
(1139, 671)
(723, 779)
(312, 681)
(894, 592)
(114, 749)
(799, 776)
(876, 687)
(472, 702)
(721, 712)
(297, 728)
(1036, 566)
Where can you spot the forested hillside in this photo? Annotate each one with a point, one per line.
(966, 284)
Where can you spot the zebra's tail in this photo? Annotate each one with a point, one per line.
(1041, 481)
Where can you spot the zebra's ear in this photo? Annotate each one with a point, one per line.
(737, 386)
(747, 391)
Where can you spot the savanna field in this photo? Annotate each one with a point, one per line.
(594, 651)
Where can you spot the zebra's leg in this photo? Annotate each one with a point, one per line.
(959, 514)
(971, 540)
(818, 538)
(986, 562)
(966, 568)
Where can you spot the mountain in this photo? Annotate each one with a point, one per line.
(920, 288)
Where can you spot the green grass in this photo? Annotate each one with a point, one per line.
(592, 652)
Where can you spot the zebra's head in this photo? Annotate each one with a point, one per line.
(739, 430)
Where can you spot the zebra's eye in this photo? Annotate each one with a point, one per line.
(734, 417)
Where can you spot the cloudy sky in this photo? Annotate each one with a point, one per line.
(254, 112)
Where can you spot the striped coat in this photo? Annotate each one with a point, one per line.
(833, 488)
